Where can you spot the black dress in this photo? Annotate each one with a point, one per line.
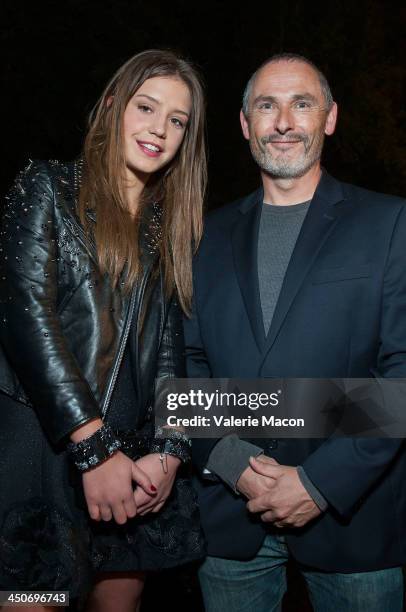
(48, 541)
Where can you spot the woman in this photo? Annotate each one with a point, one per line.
(96, 263)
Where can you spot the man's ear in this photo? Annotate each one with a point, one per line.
(244, 125)
(331, 120)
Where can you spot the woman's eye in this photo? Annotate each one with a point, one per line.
(177, 122)
(144, 108)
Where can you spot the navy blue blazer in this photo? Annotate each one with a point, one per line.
(341, 313)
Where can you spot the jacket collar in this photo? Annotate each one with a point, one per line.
(328, 189)
(318, 224)
(322, 216)
(150, 227)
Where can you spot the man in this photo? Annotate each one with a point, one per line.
(306, 277)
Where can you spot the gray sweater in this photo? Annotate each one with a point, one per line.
(278, 232)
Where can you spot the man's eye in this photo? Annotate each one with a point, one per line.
(177, 122)
(302, 105)
(265, 106)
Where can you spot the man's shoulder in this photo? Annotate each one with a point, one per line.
(367, 197)
(227, 213)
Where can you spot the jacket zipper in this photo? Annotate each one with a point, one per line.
(160, 324)
(123, 342)
(90, 246)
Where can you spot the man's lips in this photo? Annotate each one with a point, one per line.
(284, 144)
(287, 142)
(150, 148)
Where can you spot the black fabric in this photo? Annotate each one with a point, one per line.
(61, 322)
(121, 413)
(47, 540)
(340, 313)
(62, 332)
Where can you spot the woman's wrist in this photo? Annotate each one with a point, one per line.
(93, 450)
(85, 431)
(171, 442)
(169, 463)
(173, 462)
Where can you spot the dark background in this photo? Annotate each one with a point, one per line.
(57, 56)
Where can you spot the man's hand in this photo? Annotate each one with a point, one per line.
(151, 465)
(253, 484)
(286, 503)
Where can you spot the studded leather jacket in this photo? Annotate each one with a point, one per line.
(63, 329)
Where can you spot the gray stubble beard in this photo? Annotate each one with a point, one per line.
(286, 169)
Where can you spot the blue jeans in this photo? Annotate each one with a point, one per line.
(258, 585)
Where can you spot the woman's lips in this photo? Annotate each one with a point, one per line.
(149, 148)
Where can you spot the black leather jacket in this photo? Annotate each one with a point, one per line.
(62, 327)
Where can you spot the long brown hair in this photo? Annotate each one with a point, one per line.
(179, 187)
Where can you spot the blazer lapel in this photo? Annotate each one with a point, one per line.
(244, 240)
(318, 224)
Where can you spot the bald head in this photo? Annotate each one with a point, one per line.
(288, 57)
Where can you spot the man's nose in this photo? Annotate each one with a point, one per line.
(284, 120)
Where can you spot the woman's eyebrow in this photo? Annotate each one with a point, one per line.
(142, 95)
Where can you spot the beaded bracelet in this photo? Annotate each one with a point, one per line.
(95, 449)
(175, 443)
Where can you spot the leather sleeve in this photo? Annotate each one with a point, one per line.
(171, 364)
(197, 366)
(171, 355)
(30, 329)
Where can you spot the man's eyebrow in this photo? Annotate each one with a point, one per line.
(305, 96)
(262, 98)
(300, 96)
(142, 95)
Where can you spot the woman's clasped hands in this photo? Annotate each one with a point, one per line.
(109, 487)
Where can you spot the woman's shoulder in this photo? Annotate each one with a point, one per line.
(43, 185)
(50, 174)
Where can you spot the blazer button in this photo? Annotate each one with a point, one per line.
(272, 444)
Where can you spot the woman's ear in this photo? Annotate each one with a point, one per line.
(109, 101)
